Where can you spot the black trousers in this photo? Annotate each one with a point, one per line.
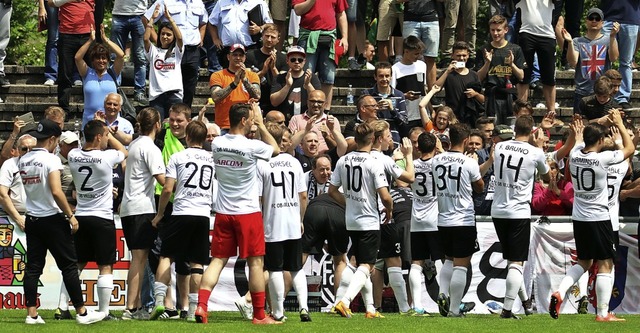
(51, 233)
(190, 67)
(68, 45)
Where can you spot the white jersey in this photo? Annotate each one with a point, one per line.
(35, 167)
(93, 178)
(392, 172)
(235, 158)
(193, 171)
(615, 175)
(424, 214)
(453, 173)
(165, 74)
(589, 178)
(280, 181)
(514, 166)
(10, 178)
(143, 163)
(314, 188)
(360, 176)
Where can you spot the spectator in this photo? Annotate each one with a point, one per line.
(213, 131)
(290, 90)
(443, 119)
(469, 10)
(12, 196)
(390, 14)
(275, 116)
(68, 140)
(322, 18)
(316, 115)
(120, 127)
(191, 18)
(98, 82)
(279, 10)
(224, 85)
(165, 77)
(421, 20)
(211, 50)
(616, 80)
(463, 90)
(317, 178)
(482, 201)
(367, 110)
(367, 55)
(476, 140)
(485, 125)
(596, 107)
(409, 76)
(356, 14)
(5, 27)
(126, 21)
(573, 11)
(554, 197)
(48, 16)
(309, 149)
(267, 62)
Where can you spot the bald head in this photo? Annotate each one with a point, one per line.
(315, 103)
(275, 116)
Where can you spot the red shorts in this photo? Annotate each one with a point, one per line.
(238, 234)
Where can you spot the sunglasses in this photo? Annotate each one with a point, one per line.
(316, 102)
(296, 60)
(596, 18)
(25, 149)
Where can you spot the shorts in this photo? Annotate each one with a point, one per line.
(241, 234)
(388, 17)
(278, 10)
(427, 32)
(179, 230)
(138, 231)
(365, 245)
(514, 236)
(426, 245)
(320, 63)
(459, 242)
(283, 256)
(546, 50)
(357, 11)
(324, 223)
(594, 240)
(391, 240)
(95, 240)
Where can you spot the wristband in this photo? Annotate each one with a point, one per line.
(233, 85)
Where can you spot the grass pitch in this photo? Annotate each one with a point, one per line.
(13, 321)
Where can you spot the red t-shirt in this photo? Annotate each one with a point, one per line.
(322, 16)
(77, 18)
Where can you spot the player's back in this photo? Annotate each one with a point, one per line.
(453, 173)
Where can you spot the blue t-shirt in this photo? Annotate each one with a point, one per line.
(95, 90)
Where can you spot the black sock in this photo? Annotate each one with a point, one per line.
(82, 314)
(36, 317)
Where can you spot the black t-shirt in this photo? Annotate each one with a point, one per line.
(455, 85)
(255, 60)
(498, 70)
(296, 101)
(590, 108)
(420, 11)
(402, 203)
(305, 161)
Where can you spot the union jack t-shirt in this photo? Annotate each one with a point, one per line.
(593, 61)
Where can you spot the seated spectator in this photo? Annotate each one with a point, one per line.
(120, 127)
(555, 197)
(616, 79)
(213, 131)
(595, 108)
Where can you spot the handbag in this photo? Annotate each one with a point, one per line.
(128, 111)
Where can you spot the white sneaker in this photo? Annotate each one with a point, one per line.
(245, 309)
(77, 83)
(49, 82)
(90, 317)
(32, 321)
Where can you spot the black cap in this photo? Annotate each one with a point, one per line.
(46, 129)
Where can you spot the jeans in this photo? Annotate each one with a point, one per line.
(321, 63)
(190, 67)
(427, 32)
(209, 47)
(68, 45)
(51, 50)
(469, 12)
(146, 292)
(164, 101)
(626, 45)
(122, 26)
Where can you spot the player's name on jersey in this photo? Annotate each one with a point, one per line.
(613, 170)
(230, 150)
(231, 163)
(454, 159)
(85, 159)
(90, 195)
(284, 204)
(206, 158)
(355, 158)
(516, 148)
(582, 160)
(513, 186)
(421, 200)
(449, 195)
(586, 196)
(31, 163)
(280, 164)
(354, 198)
(197, 194)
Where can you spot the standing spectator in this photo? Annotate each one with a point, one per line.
(469, 10)
(5, 27)
(267, 62)
(48, 15)
(290, 90)
(627, 13)
(356, 14)
(207, 43)
(126, 21)
(97, 81)
(421, 20)
(318, 35)
(409, 76)
(68, 141)
(389, 15)
(279, 10)
(570, 21)
(191, 18)
(367, 55)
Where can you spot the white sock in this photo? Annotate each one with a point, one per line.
(358, 280)
(415, 283)
(522, 292)
(105, 288)
(276, 293)
(193, 304)
(345, 281)
(458, 282)
(63, 301)
(300, 285)
(603, 292)
(399, 286)
(367, 295)
(613, 276)
(573, 274)
(583, 284)
(514, 282)
(445, 277)
(159, 292)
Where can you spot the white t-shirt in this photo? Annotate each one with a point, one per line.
(10, 177)
(410, 78)
(514, 166)
(143, 163)
(424, 213)
(35, 167)
(194, 173)
(536, 17)
(360, 176)
(589, 178)
(236, 157)
(615, 175)
(453, 173)
(93, 177)
(165, 74)
(280, 181)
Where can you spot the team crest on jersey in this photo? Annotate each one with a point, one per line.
(160, 65)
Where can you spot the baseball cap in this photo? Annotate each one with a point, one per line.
(296, 49)
(46, 129)
(235, 47)
(595, 11)
(444, 139)
(505, 132)
(69, 137)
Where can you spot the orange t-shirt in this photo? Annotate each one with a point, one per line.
(223, 79)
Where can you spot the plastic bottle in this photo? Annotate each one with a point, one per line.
(350, 96)
(508, 84)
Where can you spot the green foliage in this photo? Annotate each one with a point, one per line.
(26, 46)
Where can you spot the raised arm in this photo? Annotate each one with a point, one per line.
(82, 51)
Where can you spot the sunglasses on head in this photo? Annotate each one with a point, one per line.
(296, 60)
(596, 18)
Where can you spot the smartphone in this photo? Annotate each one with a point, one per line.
(460, 64)
(27, 117)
